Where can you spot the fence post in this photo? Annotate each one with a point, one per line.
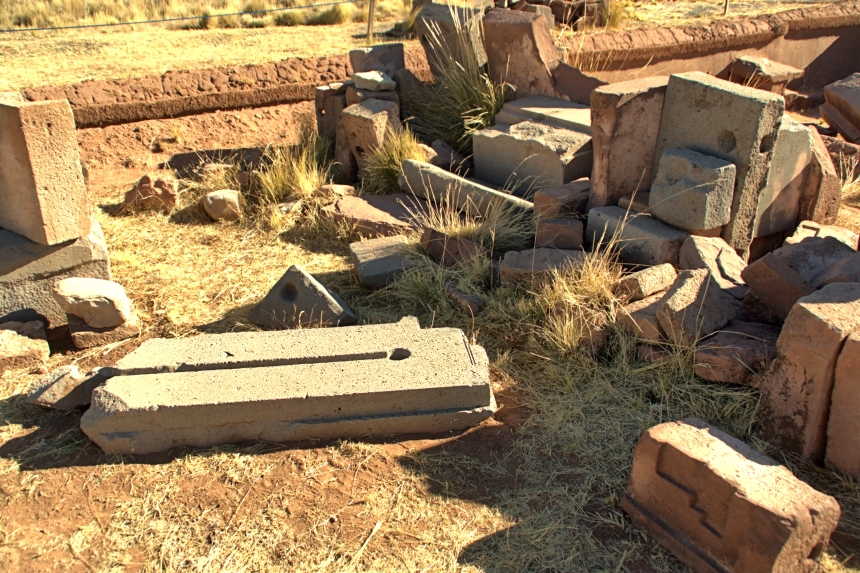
(370, 11)
(727, 8)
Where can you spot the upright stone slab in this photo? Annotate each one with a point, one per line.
(548, 111)
(640, 239)
(531, 156)
(796, 393)
(29, 271)
(821, 196)
(291, 385)
(385, 58)
(735, 123)
(719, 505)
(843, 427)
(42, 191)
(625, 121)
(298, 299)
(437, 25)
(366, 124)
(844, 96)
(380, 261)
(329, 103)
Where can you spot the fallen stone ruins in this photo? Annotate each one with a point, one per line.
(720, 205)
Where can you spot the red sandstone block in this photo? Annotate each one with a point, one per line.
(776, 284)
(843, 428)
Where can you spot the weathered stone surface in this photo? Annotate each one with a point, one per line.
(13, 97)
(636, 202)
(435, 27)
(379, 261)
(298, 299)
(530, 155)
(519, 265)
(34, 329)
(840, 122)
(780, 200)
(640, 317)
(328, 105)
(100, 303)
(642, 240)
(385, 58)
(447, 158)
(373, 81)
(845, 270)
(812, 256)
(652, 353)
(822, 191)
(694, 307)
(559, 233)
(625, 121)
(365, 125)
(548, 111)
(757, 311)
(571, 82)
(570, 198)
(717, 256)
(762, 73)
(153, 193)
(692, 190)
(355, 95)
(776, 284)
(334, 191)
(291, 385)
(719, 505)
(812, 229)
(441, 187)
(86, 336)
(740, 353)
(844, 96)
(470, 303)
(19, 351)
(450, 251)
(66, 388)
(29, 271)
(729, 121)
(43, 195)
(796, 392)
(843, 426)
(377, 215)
(222, 205)
(521, 51)
(646, 282)
(542, 10)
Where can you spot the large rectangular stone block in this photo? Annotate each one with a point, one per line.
(641, 239)
(821, 196)
(625, 121)
(733, 122)
(844, 96)
(796, 392)
(42, 191)
(721, 506)
(29, 271)
(843, 427)
(291, 385)
(548, 111)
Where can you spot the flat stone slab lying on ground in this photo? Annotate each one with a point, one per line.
(694, 307)
(646, 282)
(739, 353)
(519, 265)
(86, 336)
(377, 215)
(291, 385)
(548, 111)
(719, 505)
(29, 271)
(812, 229)
(843, 426)
(717, 256)
(762, 73)
(298, 299)
(380, 261)
(531, 156)
(65, 388)
(568, 199)
(797, 390)
(641, 239)
(42, 191)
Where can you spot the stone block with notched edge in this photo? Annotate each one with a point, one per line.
(719, 505)
(717, 256)
(636, 202)
(762, 73)
(291, 385)
(365, 124)
(812, 229)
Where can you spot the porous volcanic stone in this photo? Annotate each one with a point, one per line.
(845, 270)
(373, 81)
(844, 96)
(636, 202)
(717, 256)
(379, 261)
(364, 126)
(762, 73)
(694, 307)
(548, 111)
(811, 256)
(812, 229)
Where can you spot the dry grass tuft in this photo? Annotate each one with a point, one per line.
(849, 177)
(383, 163)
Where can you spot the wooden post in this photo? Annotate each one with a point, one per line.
(370, 11)
(727, 8)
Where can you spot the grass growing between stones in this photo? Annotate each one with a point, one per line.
(383, 162)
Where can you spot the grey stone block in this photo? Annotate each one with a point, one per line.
(66, 388)
(646, 282)
(530, 155)
(365, 125)
(379, 261)
(519, 265)
(385, 58)
(812, 229)
(548, 111)
(692, 191)
(844, 96)
(29, 271)
(641, 239)
(762, 73)
(733, 122)
(695, 307)
(812, 256)
(291, 385)
(298, 299)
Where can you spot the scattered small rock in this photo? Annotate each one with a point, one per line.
(470, 303)
(646, 282)
(65, 388)
(153, 194)
(222, 205)
(18, 351)
(86, 336)
(100, 303)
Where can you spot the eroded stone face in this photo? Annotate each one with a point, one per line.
(694, 307)
(641, 239)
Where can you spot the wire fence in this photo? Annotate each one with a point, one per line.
(180, 19)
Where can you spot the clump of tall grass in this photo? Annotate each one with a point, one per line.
(613, 13)
(383, 163)
(849, 177)
(337, 14)
(464, 99)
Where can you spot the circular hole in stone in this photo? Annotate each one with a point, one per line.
(399, 354)
(289, 293)
(726, 141)
(766, 144)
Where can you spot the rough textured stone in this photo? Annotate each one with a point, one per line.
(762, 73)
(636, 202)
(328, 105)
(740, 353)
(717, 256)
(13, 97)
(446, 158)
(65, 388)
(365, 125)
(642, 240)
(377, 215)
(640, 317)
(757, 311)
(470, 303)
(19, 351)
(843, 426)
(334, 191)
(776, 284)
(646, 282)
(153, 193)
(840, 122)
(355, 95)
(812, 256)
(719, 505)
(379, 261)
(385, 58)
(298, 299)
(844, 96)
(812, 229)
(291, 385)
(694, 307)
(441, 187)
(542, 10)
(530, 155)
(625, 121)
(570, 198)
(450, 251)
(43, 195)
(373, 81)
(559, 233)
(571, 82)
(222, 205)
(692, 190)
(845, 270)
(86, 336)
(29, 271)
(795, 401)
(729, 121)
(435, 28)
(548, 111)
(821, 196)
(101, 303)
(519, 265)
